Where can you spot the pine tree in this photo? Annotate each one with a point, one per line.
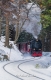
(25, 37)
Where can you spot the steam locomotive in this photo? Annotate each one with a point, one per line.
(36, 48)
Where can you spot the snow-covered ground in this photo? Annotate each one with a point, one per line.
(24, 67)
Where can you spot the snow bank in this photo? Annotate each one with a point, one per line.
(14, 53)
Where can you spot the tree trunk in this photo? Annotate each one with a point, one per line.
(0, 24)
(17, 32)
(7, 32)
(0, 30)
(50, 43)
(17, 24)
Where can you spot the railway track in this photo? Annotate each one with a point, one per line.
(27, 72)
(18, 66)
(35, 71)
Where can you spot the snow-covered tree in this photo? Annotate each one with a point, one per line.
(7, 9)
(27, 18)
(25, 15)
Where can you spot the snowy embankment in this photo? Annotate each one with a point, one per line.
(13, 53)
(38, 66)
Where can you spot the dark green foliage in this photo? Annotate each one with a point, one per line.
(45, 36)
(25, 37)
(46, 14)
(12, 32)
(3, 24)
